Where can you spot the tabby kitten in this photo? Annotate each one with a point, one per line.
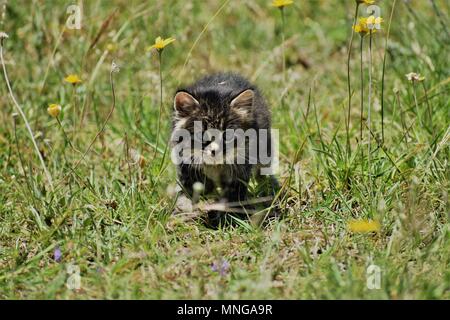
(225, 104)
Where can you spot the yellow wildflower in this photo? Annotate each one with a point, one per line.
(73, 79)
(373, 22)
(161, 43)
(54, 110)
(361, 26)
(281, 3)
(365, 1)
(111, 47)
(364, 226)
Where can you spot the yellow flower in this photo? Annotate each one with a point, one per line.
(161, 43)
(281, 3)
(364, 226)
(365, 1)
(72, 79)
(111, 47)
(373, 22)
(361, 27)
(54, 110)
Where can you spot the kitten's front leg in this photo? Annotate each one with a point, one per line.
(233, 190)
(236, 191)
(187, 177)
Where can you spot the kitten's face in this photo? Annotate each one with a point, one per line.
(212, 123)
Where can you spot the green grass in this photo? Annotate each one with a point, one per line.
(112, 218)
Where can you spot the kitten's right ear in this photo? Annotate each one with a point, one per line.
(184, 103)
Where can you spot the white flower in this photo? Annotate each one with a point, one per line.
(412, 76)
(114, 67)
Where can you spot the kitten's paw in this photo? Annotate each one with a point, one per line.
(183, 205)
(214, 219)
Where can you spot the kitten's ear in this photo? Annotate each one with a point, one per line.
(245, 99)
(184, 103)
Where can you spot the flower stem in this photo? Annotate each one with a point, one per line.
(74, 109)
(369, 126)
(22, 164)
(160, 99)
(384, 69)
(65, 135)
(82, 113)
(347, 127)
(361, 111)
(416, 103)
(361, 45)
(102, 129)
(402, 119)
(22, 114)
(283, 53)
(429, 107)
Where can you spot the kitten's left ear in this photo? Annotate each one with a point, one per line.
(245, 99)
(184, 103)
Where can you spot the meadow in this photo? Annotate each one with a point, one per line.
(86, 191)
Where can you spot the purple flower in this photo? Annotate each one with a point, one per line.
(221, 267)
(57, 254)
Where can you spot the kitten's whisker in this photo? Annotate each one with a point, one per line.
(230, 205)
(224, 208)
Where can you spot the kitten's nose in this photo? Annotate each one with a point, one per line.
(213, 148)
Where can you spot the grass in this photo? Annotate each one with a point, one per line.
(110, 213)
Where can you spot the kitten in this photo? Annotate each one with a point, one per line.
(225, 104)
